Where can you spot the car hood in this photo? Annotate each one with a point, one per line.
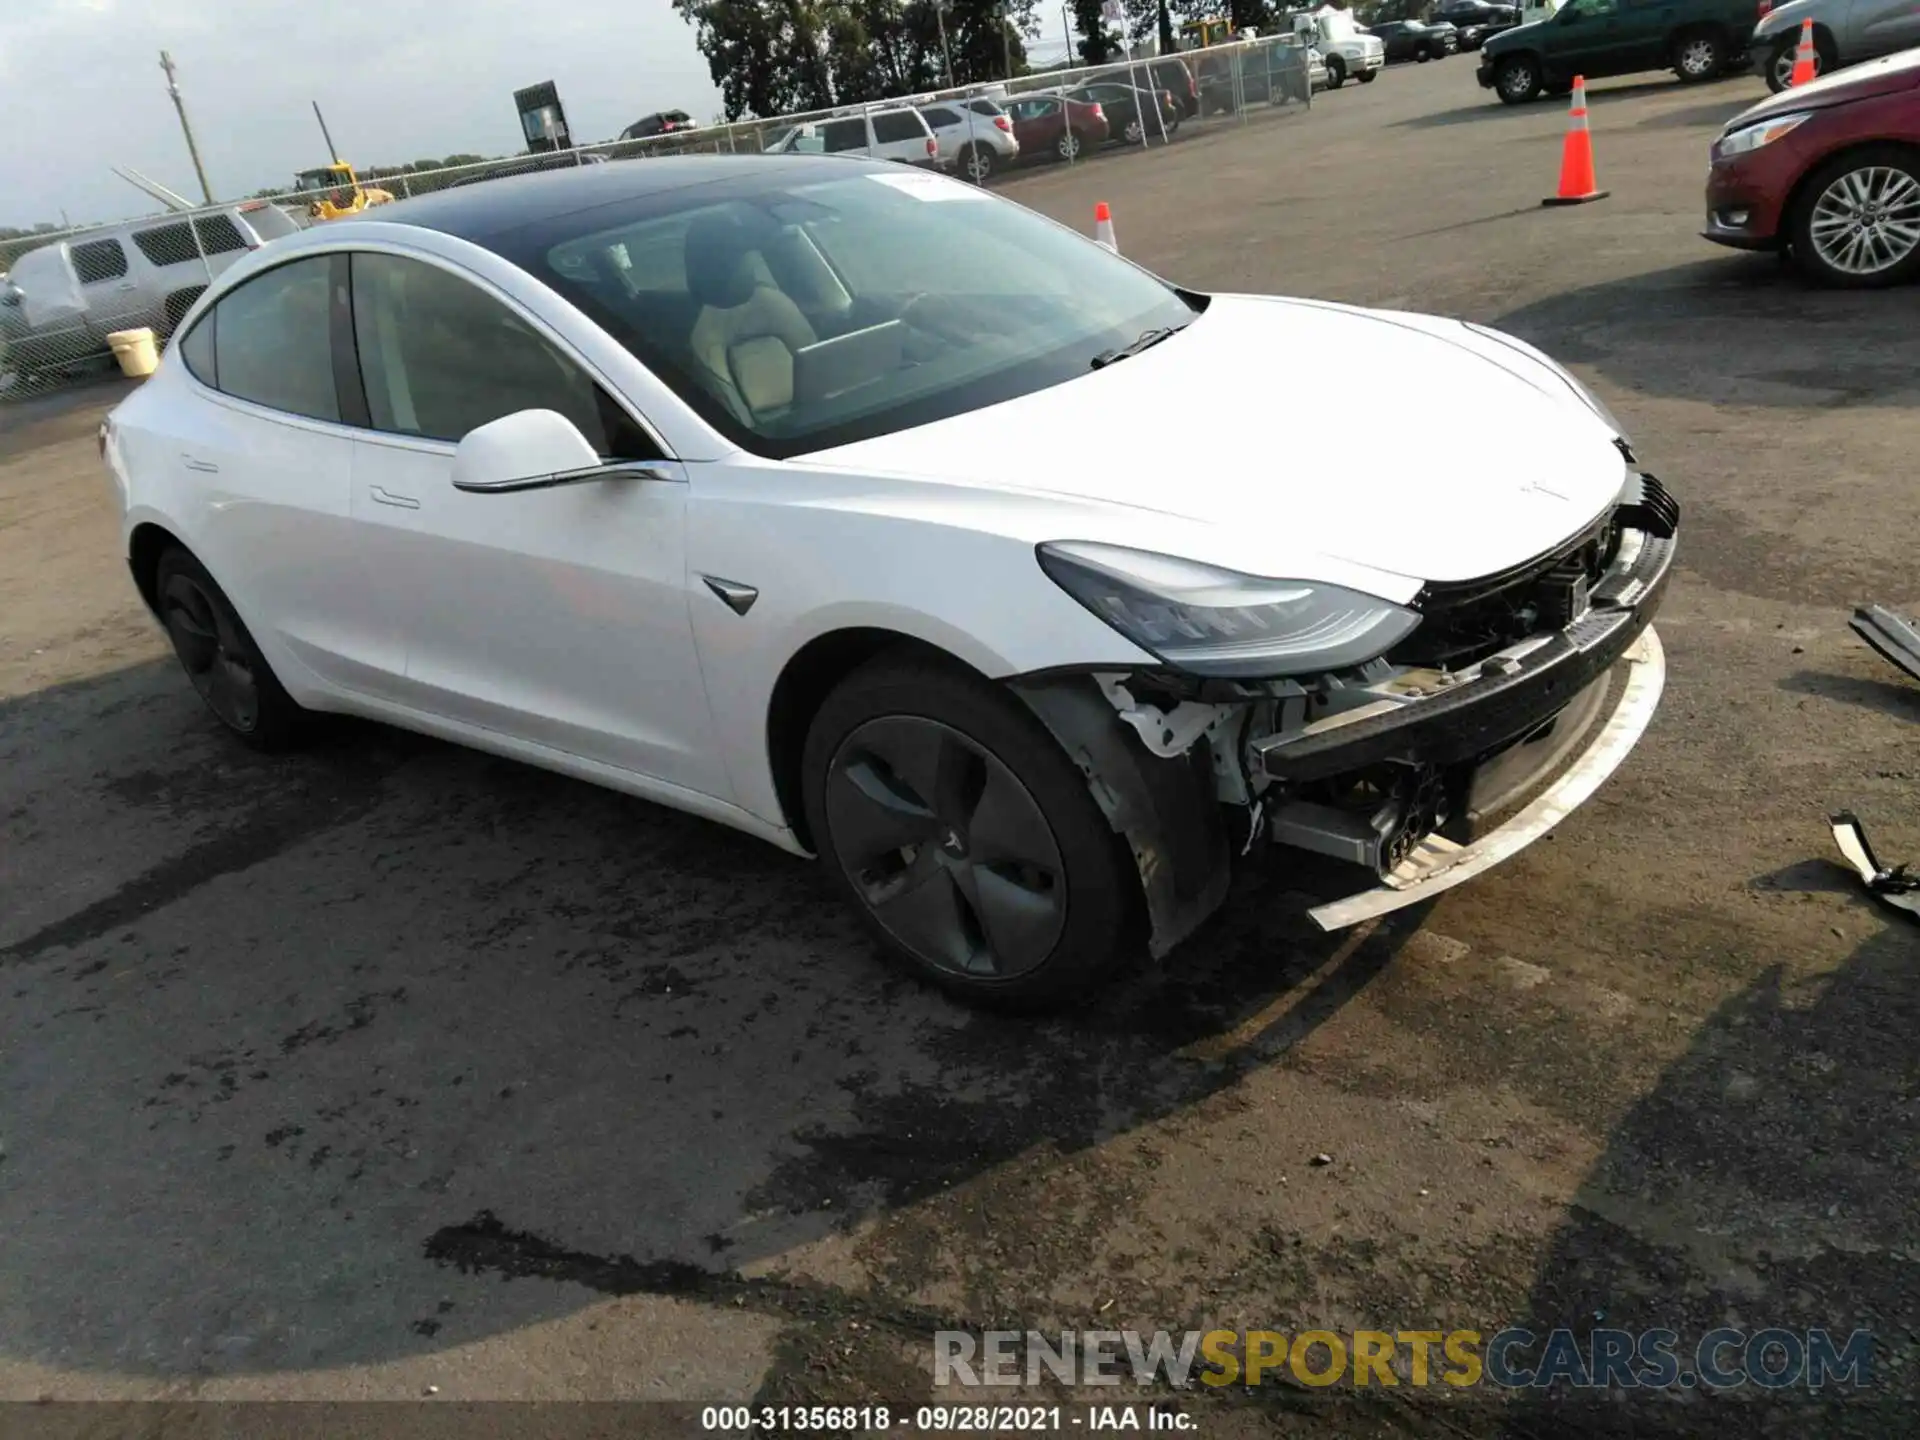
(1514, 37)
(1857, 82)
(1289, 438)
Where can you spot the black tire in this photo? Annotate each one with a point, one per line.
(1336, 72)
(1872, 164)
(1422, 55)
(1780, 59)
(1517, 79)
(1367, 77)
(1699, 56)
(977, 163)
(176, 307)
(1058, 913)
(220, 657)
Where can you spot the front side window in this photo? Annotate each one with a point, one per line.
(99, 260)
(939, 115)
(818, 309)
(441, 357)
(271, 341)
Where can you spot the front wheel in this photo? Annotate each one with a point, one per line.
(1698, 57)
(1336, 72)
(1135, 132)
(221, 659)
(1069, 146)
(964, 835)
(1518, 79)
(976, 163)
(1856, 225)
(1780, 62)
(1365, 77)
(1422, 55)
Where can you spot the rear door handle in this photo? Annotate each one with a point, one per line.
(205, 467)
(387, 497)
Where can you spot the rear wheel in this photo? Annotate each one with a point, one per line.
(1518, 79)
(220, 657)
(1068, 147)
(964, 835)
(1856, 223)
(1135, 132)
(1698, 56)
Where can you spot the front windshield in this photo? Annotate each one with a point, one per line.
(846, 302)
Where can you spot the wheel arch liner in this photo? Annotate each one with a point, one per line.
(1163, 808)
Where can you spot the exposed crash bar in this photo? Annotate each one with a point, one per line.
(1439, 865)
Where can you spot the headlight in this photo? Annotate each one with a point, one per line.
(1754, 136)
(1208, 621)
(1586, 397)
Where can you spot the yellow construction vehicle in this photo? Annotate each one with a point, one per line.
(334, 190)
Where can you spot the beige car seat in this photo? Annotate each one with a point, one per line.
(747, 330)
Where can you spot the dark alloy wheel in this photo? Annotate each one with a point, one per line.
(1517, 79)
(964, 835)
(219, 656)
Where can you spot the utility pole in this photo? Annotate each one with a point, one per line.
(1006, 39)
(333, 155)
(193, 150)
(940, 14)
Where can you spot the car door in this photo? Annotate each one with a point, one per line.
(1037, 124)
(1877, 27)
(556, 616)
(1586, 40)
(108, 285)
(267, 460)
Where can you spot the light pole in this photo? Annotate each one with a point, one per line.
(193, 150)
(940, 8)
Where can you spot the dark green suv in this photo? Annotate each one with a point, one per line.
(1697, 39)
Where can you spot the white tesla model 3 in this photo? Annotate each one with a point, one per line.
(864, 511)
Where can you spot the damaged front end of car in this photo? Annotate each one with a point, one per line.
(1499, 709)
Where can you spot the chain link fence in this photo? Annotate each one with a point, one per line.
(63, 293)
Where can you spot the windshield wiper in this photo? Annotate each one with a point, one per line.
(1147, 340)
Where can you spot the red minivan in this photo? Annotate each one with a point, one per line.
(1828, 172)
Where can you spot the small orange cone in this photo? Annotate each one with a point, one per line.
(1103, 227)
(1577, 185)
(1803, 71)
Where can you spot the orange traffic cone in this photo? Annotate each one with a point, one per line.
(1577, 185)
(1103, 227)
(1803, 72)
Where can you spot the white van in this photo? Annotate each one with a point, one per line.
(897, 134)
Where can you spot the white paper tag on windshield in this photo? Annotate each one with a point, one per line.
(928, 187)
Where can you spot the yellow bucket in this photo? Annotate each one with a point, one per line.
(136, 351)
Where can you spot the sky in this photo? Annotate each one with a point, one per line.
(399, 80)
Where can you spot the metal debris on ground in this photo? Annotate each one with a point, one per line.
(1892, 885)
(1895, 639)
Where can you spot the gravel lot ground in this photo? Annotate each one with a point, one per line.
(303, 1058)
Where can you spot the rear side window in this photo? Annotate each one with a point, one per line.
(837, 136)
(218, 234)
(894, 125)
(196, 350)
(940, 115)
(167, 244)
(984, 107)
(442, 357)
(271, 341)
(99, 260)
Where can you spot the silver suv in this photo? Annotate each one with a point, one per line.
(975, 137)
(899, 134)
(1845, 32)
(62, 299)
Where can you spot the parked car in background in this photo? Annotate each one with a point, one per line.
(1829, 173)
(1696, 39)
(900, 134)
(778, 491)
(1176, 76)
(1476, 19)
(1845, 32)
(1413, 40)
(1348, 49)
(975, 136)
(1130, 112)
(61, 300)
(661, 122)
(1054, 127)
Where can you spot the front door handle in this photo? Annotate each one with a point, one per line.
(205, 467)
(387, 497)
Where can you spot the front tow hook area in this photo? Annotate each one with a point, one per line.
(1437, 864)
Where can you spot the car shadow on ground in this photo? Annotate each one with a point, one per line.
(290, 1043)
(1599, 95)
(1720, 329)
(1756, 1186)
(1889, 697)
